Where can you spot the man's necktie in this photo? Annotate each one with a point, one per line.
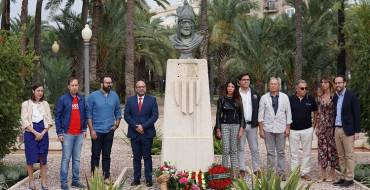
(140, 103)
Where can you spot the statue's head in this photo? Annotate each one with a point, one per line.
(185, 19)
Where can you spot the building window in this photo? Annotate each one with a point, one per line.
(270, 5)
(290, 11)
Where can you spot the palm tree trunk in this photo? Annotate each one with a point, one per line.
(37, 38)
(97, 9)
(140, 71)
(130, 45)
(24, 16)
(204, 29)
(5, 19)
(223, 53)
(341, 59)
(204, 45)
(299, 39)
(85, 11)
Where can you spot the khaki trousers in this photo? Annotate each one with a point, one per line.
(346, 155)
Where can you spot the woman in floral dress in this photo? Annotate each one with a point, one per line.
(327, 153)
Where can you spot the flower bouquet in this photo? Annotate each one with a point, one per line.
(187, 181)
(164, 174)
(219, 177)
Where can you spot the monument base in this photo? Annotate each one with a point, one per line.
(187, 140)
(189, 153)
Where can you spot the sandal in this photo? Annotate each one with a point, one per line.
(31, 187)
(44, 188)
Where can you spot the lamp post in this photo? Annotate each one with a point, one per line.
(86, 36)
(55, 48)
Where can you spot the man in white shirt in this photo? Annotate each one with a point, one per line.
(250, 107)
(274, 117)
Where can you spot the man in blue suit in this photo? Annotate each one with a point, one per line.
(141, 112)
(347, 129)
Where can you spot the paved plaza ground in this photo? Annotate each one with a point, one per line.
(122, 157)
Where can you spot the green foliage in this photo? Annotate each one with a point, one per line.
(157, 145)
(56, 72)
(271, 181)
(217, 146)
(358, 35)
(15, 70)
(96, 182)
(11, 174)
(362, 174)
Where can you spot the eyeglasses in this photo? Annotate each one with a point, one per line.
(303, 88)
(338, 82)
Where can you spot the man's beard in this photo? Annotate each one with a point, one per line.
(107, 89)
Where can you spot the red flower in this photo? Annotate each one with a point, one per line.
(219, 177)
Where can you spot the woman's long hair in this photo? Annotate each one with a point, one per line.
(331, 87)
(34, 87)
(236, 95)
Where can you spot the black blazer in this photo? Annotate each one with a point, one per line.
(350, 113)
(255, 105)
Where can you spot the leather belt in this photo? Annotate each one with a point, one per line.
(339, 126)
(248, 122)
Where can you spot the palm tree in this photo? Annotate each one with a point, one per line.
(341, 60)
(299, 39)
(204, 45)
(54, 5)
(96, 22)
(5, 19)
(222, 14)
(24, 15)
(152, 47)
(130, 45)
(318, 42)
(204, 29)
(129, 54)
(252, 48)
(37, 39)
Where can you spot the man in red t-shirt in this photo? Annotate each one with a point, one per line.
(70, 119)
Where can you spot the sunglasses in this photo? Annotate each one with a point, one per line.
(303, 88)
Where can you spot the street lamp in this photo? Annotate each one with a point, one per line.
(86, 36)
(55, 47)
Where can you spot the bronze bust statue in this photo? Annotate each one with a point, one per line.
(186, 39)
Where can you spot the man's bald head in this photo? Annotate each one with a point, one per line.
(140, 88)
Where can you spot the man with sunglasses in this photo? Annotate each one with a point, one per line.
(301, 131)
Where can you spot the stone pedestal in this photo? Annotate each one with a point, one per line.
(187, 129)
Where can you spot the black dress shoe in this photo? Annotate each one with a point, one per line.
(135, 183)
(149, 184)
(347, 183)
(339, 182)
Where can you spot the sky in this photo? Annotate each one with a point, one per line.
(15, 8)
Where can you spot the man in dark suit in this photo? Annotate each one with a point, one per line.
(141, 112)
(347, 129)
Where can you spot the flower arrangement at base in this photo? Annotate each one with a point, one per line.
(185, 182)
(219, 177)
(166, 176)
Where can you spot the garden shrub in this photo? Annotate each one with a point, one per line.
(15, 71)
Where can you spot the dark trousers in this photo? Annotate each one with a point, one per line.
(102, 144)
(141, 148)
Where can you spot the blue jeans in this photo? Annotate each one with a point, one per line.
(72, 145)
